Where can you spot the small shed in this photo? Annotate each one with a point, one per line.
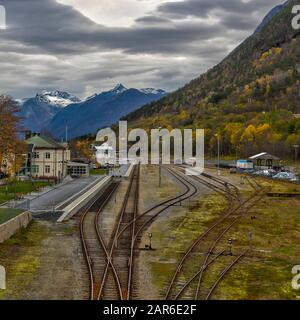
(244, 165)
(76, 169)
(265, 160)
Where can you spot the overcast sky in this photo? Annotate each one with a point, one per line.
(87, 46)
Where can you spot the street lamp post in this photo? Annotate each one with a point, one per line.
(159, 175)
(218, 136)
(160, 160)
(296, 146)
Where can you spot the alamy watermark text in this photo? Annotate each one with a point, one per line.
(296, 18)
(2, 18)
(155, 150)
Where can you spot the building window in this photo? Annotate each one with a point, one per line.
(47, 169)
(48, 155)
(36, 155)
(34, 169)
(77, 170)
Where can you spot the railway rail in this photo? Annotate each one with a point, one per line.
(235, 211)
(91, 239)
(111, 266)
(114, 279)
(121, 252)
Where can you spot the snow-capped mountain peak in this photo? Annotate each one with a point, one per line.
(119, 88)
(57, 98)
(152, 91)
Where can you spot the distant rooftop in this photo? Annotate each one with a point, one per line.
(264, 156)
(44, 143)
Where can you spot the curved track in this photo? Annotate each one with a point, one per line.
(93, 245)
(111, 267)
(225, 223)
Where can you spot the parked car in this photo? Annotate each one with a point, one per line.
(286, 176)
(269, 173)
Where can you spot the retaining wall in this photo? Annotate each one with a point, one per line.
(10, 227)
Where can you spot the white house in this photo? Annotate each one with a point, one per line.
(47, 158)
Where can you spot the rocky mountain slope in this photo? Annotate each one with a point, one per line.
(101, 110)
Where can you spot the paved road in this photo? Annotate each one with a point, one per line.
(62, 193)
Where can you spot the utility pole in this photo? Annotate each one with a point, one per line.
(160, 175)
(66, 133)
(218, 136)
(296, 146)
(219, 173)
(160, 159)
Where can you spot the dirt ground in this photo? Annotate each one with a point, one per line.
(46, 262)
(43, 262)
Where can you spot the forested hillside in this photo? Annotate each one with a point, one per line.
(252, 98)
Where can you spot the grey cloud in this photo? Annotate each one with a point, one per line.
(236, 21)
(153, 20)
(49, 46)
(201, 8)
(59, 29)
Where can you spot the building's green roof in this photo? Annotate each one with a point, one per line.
(44, 142)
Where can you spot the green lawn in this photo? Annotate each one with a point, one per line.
(14, 189)
(98, 171)
(7, 214)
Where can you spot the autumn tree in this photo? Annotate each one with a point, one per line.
(11, 148)
(81, 148)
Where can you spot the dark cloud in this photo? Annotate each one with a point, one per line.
(49, 45)
(234, 21)
(153, 20)
(58, 29)
(201, 8)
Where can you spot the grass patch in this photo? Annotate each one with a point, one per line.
(15, 189)
(263, 274)
(276, 235)
(20, 255)
(98, 172)
(7, 214)
(173, 237)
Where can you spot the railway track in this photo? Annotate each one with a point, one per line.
(111, 267)
(94, 249)
(140, 222)
(213, 236)
(121, 251)
(224, 272)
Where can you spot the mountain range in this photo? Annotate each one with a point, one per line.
(55, 111)
(38, 111)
